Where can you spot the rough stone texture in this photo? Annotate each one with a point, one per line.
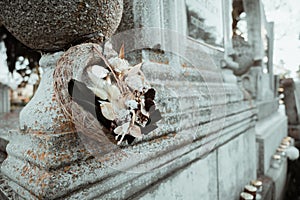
(46, 173)
(236, 165)
(127, 21)
(202, 116)
(56, 164)
(53, 25)
(44, 111)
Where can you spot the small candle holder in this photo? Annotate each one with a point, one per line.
(287, 143)
(251, 190)
(281, 152)
(276, 161)
(246, 196)
(258, 184)
(283, 146)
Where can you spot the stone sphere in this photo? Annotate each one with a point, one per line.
(51, 25)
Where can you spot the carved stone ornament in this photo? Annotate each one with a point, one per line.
(55, 25)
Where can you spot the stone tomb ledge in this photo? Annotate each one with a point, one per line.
(269, 133)
(279, 177)
(267, 143)
(74, 174)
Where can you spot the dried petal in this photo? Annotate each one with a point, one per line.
(99, 92)
(108, 111)
(135, 131)
(113, 92)
(122, 52)
(97, 82)
(132, 104)
(136, 70)
(119, 65)
(135, 82)
(99, 71)
(121, 130)
(123, 115)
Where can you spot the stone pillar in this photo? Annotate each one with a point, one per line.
(46, 159)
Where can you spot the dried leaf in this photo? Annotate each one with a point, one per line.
(119, 130)
(135, 131)
(108, 111)
(122, 130)
(122, 52)
(136, 70)
(100, 92)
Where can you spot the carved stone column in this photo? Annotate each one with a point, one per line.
(45, 157)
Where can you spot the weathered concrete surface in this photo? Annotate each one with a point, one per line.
(43, 113)
(198, 117)
(197, 181)
(202, 116)
(55, 177)
(53, 25)
(236, 165)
